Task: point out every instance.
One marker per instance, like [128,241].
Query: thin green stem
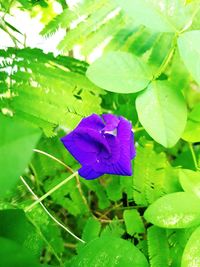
[38,200]
[51,191]
[193,156]
[139,129]
[69,169]
[54,158]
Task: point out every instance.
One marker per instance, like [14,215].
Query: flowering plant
[102,144]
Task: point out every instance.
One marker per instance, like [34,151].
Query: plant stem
[51,191]
[38,200]
[139,129]
[54,158]
[69,169]
[193,155]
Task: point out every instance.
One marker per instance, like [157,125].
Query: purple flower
[102,144]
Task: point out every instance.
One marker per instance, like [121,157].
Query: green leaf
[13,254]
[95,186]
[158,246]
[110,251]
[192,129]
[91,230]
[192,132]
[177,240]
[153,176]
[19,237]
[114,189]
[68,196]
[191,254]
[115,229]
[119,72]
[161,16]
[133,222]
[195,113]
[14,225]
[162,112]
[188,44]
[176,210]
[17,140]
[190,181]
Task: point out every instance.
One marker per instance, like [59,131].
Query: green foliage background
[149,72]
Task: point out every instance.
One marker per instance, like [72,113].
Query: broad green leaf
[176,210]
[17,141]
[13,254]
[188,44]
[119,72]
[110,251]
[14,225]
[162,112]
[20,244]
[190,181]
[133,222]
[191,253]
[161,16]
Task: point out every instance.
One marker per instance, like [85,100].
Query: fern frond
[158,247]
[49,91]
[153,176]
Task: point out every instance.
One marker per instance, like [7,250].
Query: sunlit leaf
[119,72]
[162,16]
[190,181]
[17,140]
[110,251]
[191,254]
[189,49]
[176,210]
[162,111]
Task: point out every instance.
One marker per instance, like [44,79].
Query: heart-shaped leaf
[119,72]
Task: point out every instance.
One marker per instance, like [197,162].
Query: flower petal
[76,152]
[85,144]
[117,168]
[94,121]
[111,122]
[88,173]
[133,150]
[114,147]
